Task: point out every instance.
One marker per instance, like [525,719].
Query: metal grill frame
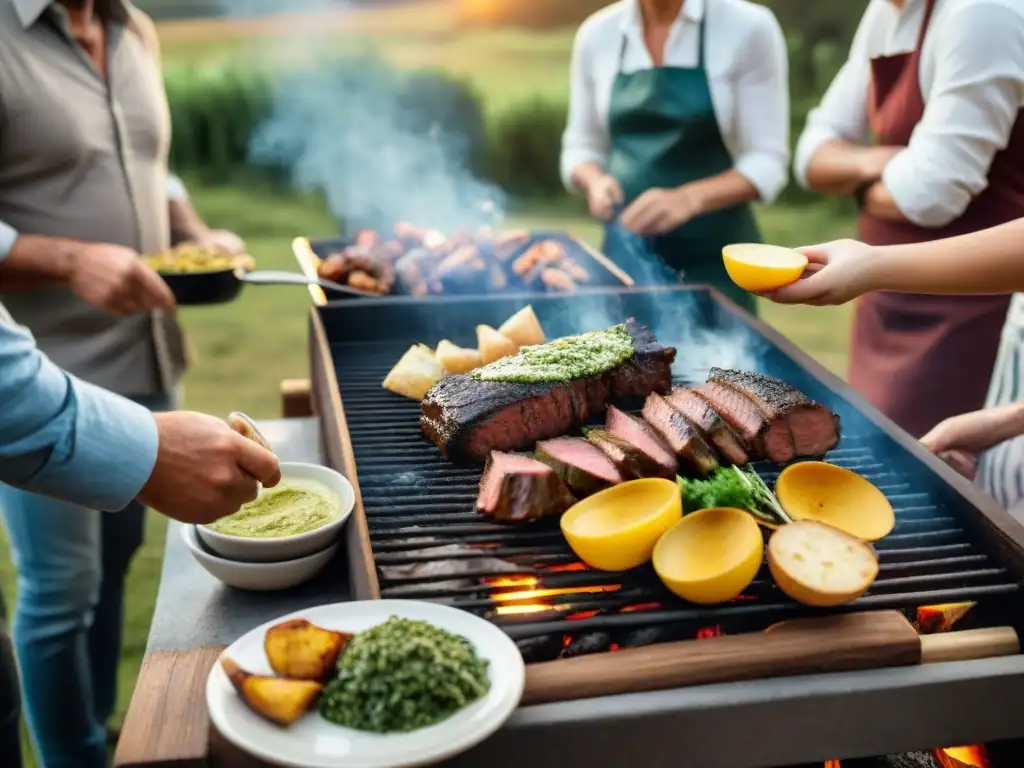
[868,713]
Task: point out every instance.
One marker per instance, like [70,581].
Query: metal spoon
[247,428]
[280,277]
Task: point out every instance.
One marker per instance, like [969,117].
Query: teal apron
[664,133]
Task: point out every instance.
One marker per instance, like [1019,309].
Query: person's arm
[30,262]
[186,224]
[833,155]
[585,142]
[64,438]
[972,106]
[987,262]
[761,124]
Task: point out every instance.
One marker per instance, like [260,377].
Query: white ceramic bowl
[253,550]
[259,577]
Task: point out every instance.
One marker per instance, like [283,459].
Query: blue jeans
[10,707]
[68,617]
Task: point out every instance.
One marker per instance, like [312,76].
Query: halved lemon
[616,529]
[755,267]
[816,490]
[710,556]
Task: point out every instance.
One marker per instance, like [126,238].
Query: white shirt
[972,81]
[744,56]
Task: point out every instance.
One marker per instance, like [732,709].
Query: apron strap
[700,39]
[622,51]
[929,6]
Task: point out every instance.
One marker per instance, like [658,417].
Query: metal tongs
[247,428]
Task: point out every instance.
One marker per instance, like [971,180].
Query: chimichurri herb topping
[403,675]
[574,357]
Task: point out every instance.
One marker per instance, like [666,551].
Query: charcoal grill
[603,272]
[950,543]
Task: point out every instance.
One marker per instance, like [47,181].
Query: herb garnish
[739,487]
[402,675]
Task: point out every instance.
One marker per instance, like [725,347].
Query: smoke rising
[380,144]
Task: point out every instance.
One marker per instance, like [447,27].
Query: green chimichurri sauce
[403,675]
[574,357]
[286,510]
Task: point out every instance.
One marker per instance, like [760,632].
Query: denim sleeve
[64,438]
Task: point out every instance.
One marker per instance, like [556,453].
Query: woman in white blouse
[678,118]
[922,126]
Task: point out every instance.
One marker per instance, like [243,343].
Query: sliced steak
[680,435]
[582,466]
[711,426]
[632,463]
[642,435]
[520,489]
[797,426]
[468,419]
[739,412]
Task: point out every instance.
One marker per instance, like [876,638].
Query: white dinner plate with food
[279,666]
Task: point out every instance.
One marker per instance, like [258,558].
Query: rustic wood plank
[296,401]
[167,725]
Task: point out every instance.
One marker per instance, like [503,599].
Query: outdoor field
[242,350]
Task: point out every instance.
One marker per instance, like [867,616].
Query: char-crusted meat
[739,412]
[680,435]
[582,466]
[641,435]
[467,418]
[709,424]
[632,463]
[520,489]
[794,426]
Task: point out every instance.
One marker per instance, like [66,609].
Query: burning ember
[528,599]
[963,757]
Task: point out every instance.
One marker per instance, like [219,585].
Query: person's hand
[836,273]
[222,240]
[658,211]
[872,161]
[969,432]
[964,463]
[113,278]
[603,196]
[204,469]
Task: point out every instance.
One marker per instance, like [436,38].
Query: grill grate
[429,543]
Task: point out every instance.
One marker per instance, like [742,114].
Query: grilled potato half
[276,699]
[300,650]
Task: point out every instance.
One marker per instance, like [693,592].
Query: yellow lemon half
[816,490]
[757,268]
[616,529]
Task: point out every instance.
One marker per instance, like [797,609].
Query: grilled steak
[519,489]
[632,463]
[709,424]
[794,426]
[642,436]
[581,465]
[467,418]
[680,435]
[739,412]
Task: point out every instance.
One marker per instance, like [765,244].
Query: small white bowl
[273,550]
[258,577]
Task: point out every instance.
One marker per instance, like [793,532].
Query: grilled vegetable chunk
[303,651]
[275,699]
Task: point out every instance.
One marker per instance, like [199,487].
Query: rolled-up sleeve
[64,438]
[762,103]
[973,104]
[843,110]
[586,135]
[8,236]
[175,188]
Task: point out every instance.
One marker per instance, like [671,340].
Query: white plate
[313,742]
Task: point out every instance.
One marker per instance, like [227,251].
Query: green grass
[242,350]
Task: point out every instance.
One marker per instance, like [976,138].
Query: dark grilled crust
[680,434]
[526,497]
[773,396]
[468,419]
[710,424]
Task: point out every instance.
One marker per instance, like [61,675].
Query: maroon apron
[922,358]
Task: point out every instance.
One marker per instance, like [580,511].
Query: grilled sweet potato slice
[276,699]
[303,651]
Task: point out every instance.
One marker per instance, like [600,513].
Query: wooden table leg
[296,402]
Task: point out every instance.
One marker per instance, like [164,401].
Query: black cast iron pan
[198,288]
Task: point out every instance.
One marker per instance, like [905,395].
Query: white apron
[1001,469]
